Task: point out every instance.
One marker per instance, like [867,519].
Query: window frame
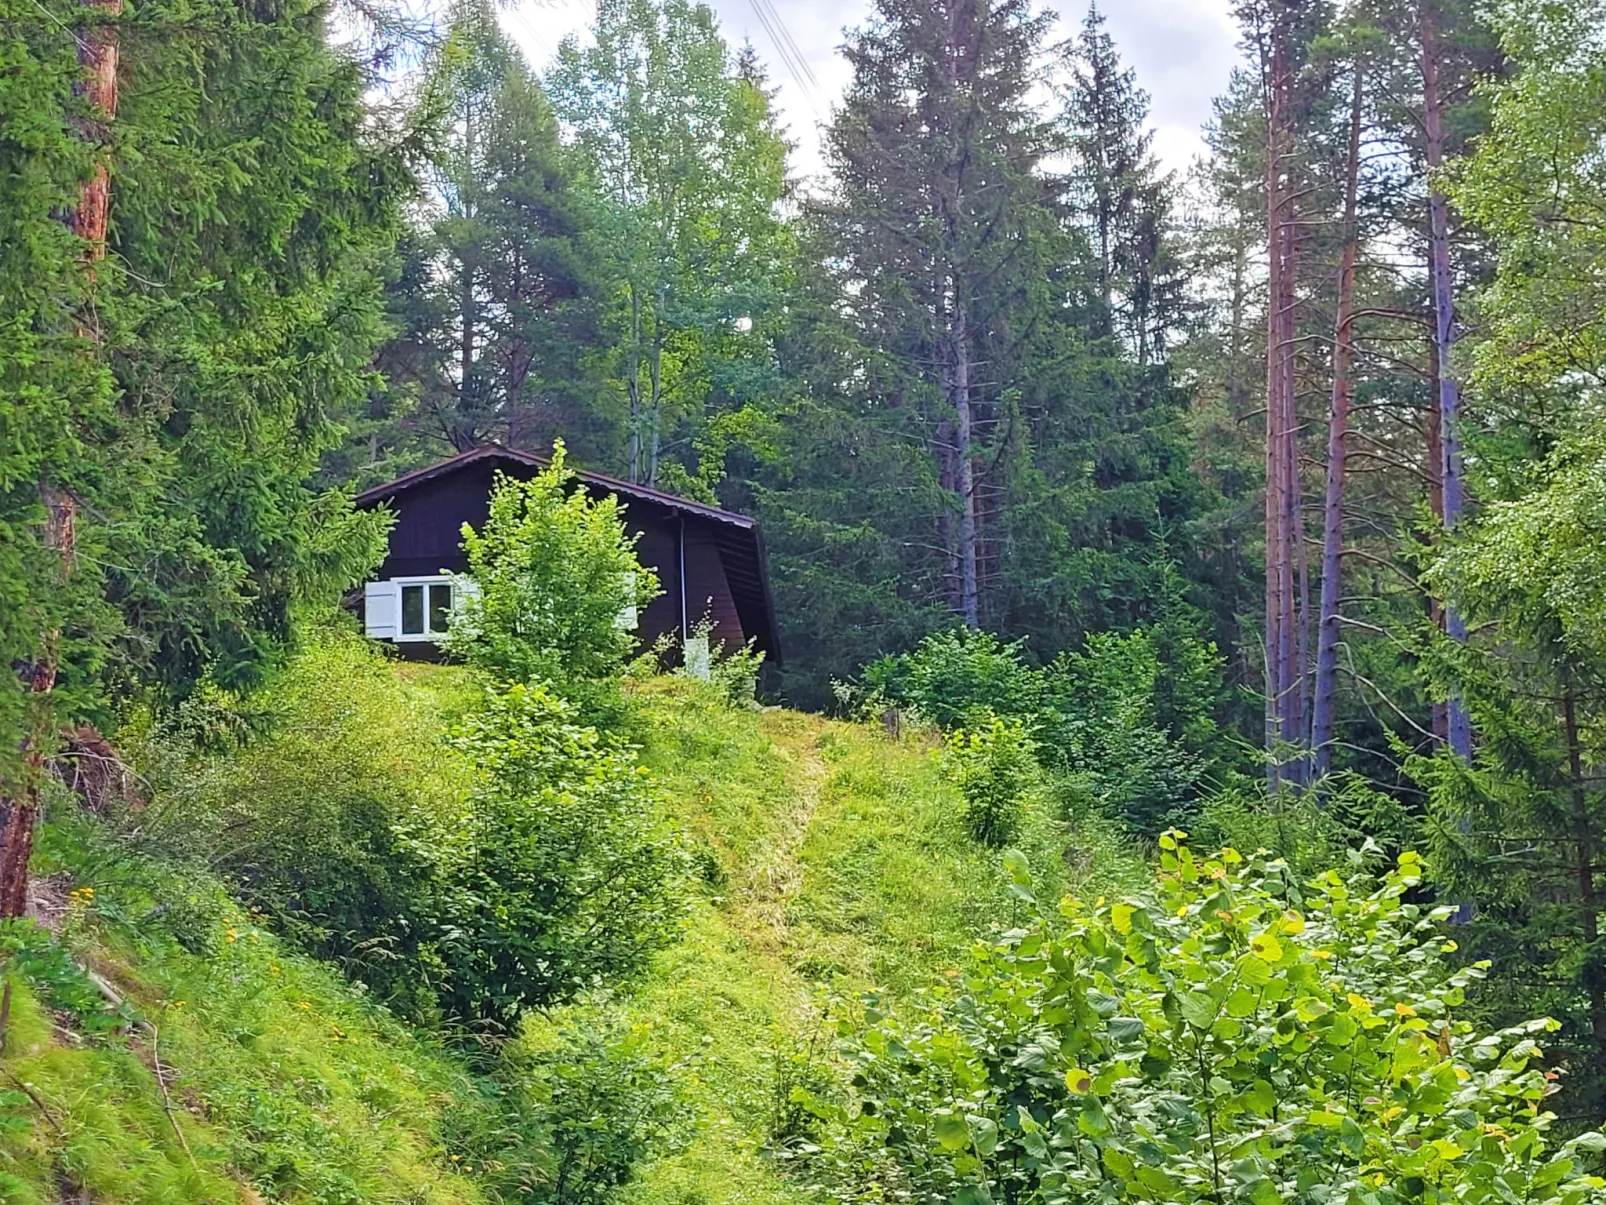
[399,584]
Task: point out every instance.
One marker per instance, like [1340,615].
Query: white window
[410,608]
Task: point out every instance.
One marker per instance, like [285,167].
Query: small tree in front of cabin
[554,581]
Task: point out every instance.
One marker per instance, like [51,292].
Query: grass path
[835,864]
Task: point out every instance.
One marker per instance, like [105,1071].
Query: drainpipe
[680,546]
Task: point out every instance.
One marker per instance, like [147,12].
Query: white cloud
[1184,51]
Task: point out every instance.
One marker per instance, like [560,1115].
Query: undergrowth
[829,858]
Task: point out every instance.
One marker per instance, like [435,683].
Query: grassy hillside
[831,861]
[841,866]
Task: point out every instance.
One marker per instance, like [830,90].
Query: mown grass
[838,864]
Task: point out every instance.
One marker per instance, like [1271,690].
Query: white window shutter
[627,619]
[379,610]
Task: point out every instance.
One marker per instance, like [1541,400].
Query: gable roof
[496,452]
[741,544]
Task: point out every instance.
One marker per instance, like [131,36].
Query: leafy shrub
[1309,829]
[553,570]
[732,672]
[607,1104]
[1127,722]
[996,768]
[1100,721]
[567,1112]
[562,874]
[1235,1039]
[953,677]
[506,866]
[309,796]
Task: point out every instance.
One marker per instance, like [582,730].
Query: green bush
[1126,724]
[956,676]
[1101,720]
[562,873]
[552,571]
[996,769]
[505,866]
[325,799]
[1235,1039]
[606,1104]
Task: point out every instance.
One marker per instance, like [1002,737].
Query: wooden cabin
[708,561]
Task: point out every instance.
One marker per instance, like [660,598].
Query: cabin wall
[707,590]
[427,535]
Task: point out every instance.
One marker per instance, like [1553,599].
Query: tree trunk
[463,434]
[1459,725]
[969,589]
[947,527]
[1584,862]
[656,368]
[19,813]
[1284,645]
[1326,695]
[1275,683]
[633,453]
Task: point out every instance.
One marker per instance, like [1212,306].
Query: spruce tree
[1119,197]
[939,222]
[496,300]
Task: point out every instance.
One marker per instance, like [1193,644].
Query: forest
[1185,779]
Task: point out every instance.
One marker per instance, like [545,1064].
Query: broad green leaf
[1126,1029]
[951,1131]
[1350,1136]
[1260,1098]
[1198,1008]
[984,1133]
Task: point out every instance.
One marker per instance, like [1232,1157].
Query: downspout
[680,549]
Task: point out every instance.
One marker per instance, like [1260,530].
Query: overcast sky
[1183,51]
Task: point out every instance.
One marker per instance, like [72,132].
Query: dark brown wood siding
[427,539]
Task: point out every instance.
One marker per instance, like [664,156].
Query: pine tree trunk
[1275,683]
[1291,644]
[19,813]
[1459,725]
[1326,694]
[1284,646]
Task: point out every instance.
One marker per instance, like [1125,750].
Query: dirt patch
[47,900]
